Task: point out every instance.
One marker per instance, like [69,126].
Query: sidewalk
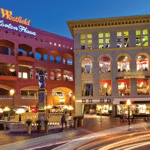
[92,124]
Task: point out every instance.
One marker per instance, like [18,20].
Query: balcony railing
[6,97]
[28,97]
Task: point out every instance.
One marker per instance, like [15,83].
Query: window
[67,75]
[52,75]
[69,62]
[103,40]
[142,87]
[86,41]
[87,88]
[123,87]
[123,39]
[104,65]
[142,63]
[123,64]
[105,88]
[19,74]
[142,37]
[87,65]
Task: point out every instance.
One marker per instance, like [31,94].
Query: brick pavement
[92,124]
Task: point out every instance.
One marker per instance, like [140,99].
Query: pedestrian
[63,120]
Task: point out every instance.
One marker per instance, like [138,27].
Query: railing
[28,97]
[6,97]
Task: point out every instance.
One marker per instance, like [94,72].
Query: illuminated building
[24,52]
[112,64]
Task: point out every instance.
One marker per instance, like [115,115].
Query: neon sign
[8,15]
[19,28]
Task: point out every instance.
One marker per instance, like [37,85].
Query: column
[95,78]
[132,38]
[33,51]
[48,56]
[16,69]
[16,49]
[133,87]
[34,71]
[114,75]
[113,39]
[77,42]
[42,56]
[95,41]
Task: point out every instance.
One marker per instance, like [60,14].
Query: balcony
[24,57]
[6,97]
[8,78]
[28,97]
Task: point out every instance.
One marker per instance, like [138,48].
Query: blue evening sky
[51,15]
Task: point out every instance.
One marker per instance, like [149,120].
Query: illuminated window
[87,88]
[103,40]
[123,39]
[19,74]
[123,64]
[142,37]
[67,75]
[87,65]
[25,75]
[104,65]
[142,63]
[123,87]
[142,87]
[105,88]
[52,75]
[86,41]
[58,74]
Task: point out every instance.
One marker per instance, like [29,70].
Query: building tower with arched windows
[112,64]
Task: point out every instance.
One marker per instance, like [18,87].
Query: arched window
[104,65]
[87,65]
[142,63]
[123,64]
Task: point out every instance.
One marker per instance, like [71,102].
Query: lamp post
[20,111]
[12,91]
[128,103]
[70,108]
[70,95]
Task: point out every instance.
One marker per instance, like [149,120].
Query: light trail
[127,141]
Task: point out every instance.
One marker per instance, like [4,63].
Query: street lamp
[128,103]
[12,91]
[7,111]
[20,111]
[70,108]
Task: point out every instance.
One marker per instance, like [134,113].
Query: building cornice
[111,49]
[117,21]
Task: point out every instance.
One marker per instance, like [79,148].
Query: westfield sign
[8,15]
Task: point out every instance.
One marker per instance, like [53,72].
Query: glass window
[123,87]
[142,63]
[104,40]
[123,64]
[19,74]
[142,87]
[123,39]
[142,37]
[52,75]
[87,88]
[58,74]
[105,88]
[87,65]
[104,65]
[86,41]
[67,75]
[25,75]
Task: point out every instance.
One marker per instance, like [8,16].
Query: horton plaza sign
[8,15]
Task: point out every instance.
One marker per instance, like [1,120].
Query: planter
[39,128]
[29,129]
[46,128]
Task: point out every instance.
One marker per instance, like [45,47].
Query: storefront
[102,106]
[139,106]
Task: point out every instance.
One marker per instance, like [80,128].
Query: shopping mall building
[112,64]
[26,51]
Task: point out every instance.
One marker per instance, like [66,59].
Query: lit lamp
[70,95]
[70,108]
[20,111]
[128,103]
[7,109]
[12,91]
[1,110]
